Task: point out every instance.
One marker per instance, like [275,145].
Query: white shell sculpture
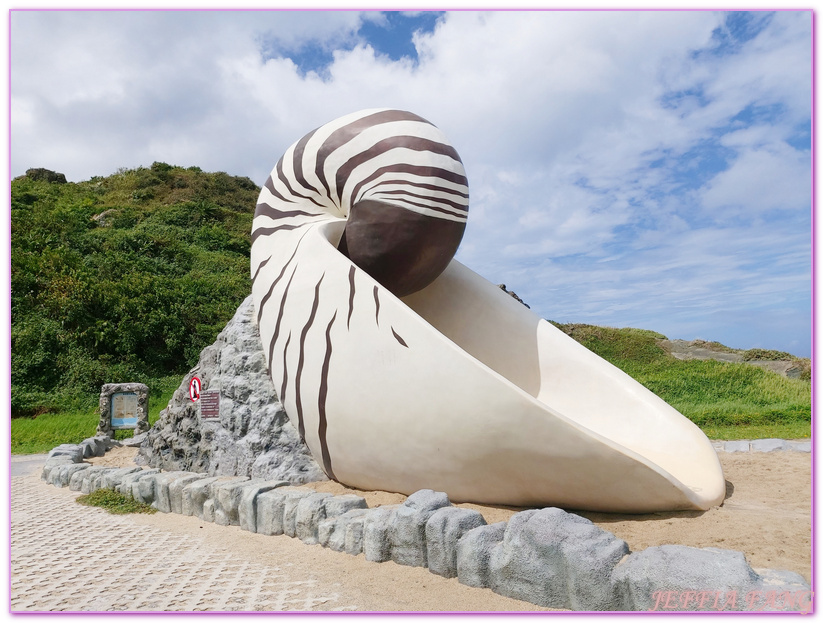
[402,369]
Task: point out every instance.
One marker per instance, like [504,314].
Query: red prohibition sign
[194,389]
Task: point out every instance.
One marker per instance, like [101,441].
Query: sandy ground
[766,515]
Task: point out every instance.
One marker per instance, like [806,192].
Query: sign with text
[124,410]
[210,405]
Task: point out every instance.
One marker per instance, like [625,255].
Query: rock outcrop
[252,436]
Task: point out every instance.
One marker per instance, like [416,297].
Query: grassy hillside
[124,277]
[727,400]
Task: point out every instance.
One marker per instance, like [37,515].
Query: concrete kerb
[548,556]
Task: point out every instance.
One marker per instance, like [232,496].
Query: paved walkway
[67,557]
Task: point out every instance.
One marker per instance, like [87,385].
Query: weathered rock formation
[253,436]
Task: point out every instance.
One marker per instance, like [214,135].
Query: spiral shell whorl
[392,176]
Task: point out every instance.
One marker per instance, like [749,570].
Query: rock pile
[253,436]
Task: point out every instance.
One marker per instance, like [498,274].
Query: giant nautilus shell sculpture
[402,369]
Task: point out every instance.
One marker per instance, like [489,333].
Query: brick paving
[68,557]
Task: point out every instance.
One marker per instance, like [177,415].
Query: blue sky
[636,168]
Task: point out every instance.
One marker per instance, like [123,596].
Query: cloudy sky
[639,168]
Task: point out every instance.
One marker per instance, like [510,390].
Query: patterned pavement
[68,557]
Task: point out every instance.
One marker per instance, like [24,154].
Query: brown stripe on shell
[266,231]
[453,204]
[321,404]
[412,143]
[343,135]
[264,209]
[301,428]
[257,272]
[270,186]
[411,169]
[351,296]
[282,177]
[376,307]
[285,371]
[398,338]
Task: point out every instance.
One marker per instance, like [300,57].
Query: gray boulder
[126,485]
[676,577]
[271,507]
[54,462]
[343,533]
[247,511]
[309,513]
[376,533]
[112,479]
[162,481]
[72,450]
[408,530]
[474,550]
[227,497]
[195,494]
[444,529]
[556,559]
[94,481]
[78,478]
[769,445]
[291,502]
[779,591]
[253,436]
[61,476]
[176,488]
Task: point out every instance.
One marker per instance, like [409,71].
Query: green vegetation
[38,435]
[120,279]
[727,400]
[114,502]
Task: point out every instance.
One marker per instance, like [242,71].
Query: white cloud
[558,117]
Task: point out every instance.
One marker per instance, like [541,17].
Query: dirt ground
[766,514]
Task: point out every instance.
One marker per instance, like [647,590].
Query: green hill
[124,277]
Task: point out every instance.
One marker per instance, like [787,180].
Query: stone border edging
[762,445]
[547,556]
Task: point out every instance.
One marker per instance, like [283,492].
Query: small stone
[408,530]
[799,446]
[737,446]
[112,479]
[768,445]
[227,497]
[376,528]
[94,480]
[195,494]
[644,579]
[208,510]
[175,491]
[162,501]
[65,472]
[72,450]
[270,509]
[126,485]
[779,591]
[247,511]
[310,512]
[443,530]
[52,463]
[474,552]
[556,559]
[331,532]
[78,478]
[291,501]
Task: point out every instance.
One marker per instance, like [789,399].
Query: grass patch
[726,400]
[114,502]
[795,430]
[36,435]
